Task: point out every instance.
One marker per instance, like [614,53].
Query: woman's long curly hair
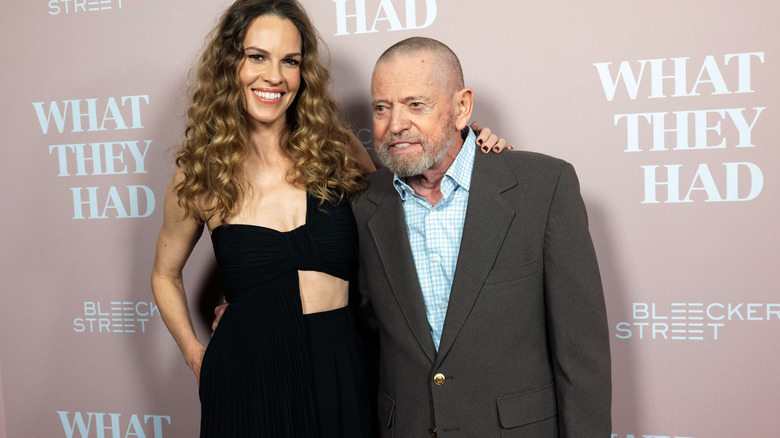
[217,138]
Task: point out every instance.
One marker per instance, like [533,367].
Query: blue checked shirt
[435,233]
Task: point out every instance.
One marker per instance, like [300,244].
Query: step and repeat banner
[668,110]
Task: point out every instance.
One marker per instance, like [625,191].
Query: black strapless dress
[269,370]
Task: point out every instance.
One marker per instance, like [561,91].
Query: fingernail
[495,149]
[511,148]
[479,141]
[484,149]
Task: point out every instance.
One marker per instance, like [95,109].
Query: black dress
[269,370]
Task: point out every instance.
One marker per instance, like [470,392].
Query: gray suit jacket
[525,345]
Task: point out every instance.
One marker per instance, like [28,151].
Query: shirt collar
[457,175]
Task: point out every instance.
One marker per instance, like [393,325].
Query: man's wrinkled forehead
[420,67]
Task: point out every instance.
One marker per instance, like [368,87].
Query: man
[479,268]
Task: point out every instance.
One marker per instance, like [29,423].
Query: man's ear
[464,104]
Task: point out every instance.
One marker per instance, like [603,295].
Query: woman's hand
[194,359]
[488,141]
[218,311]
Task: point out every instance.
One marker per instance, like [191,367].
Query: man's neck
[428,184]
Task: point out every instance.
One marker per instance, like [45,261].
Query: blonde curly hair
[217,139]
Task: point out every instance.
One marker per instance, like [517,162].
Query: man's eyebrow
[415,98]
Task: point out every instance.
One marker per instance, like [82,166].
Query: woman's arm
[177,238]
[360,155]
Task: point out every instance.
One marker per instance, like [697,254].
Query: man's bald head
[420,106]
[446,62]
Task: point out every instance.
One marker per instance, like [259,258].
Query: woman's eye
[292,62]
[255,57]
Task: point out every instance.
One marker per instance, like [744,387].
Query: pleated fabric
[258,375]
[340,391]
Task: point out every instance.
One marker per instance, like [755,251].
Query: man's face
[414,113]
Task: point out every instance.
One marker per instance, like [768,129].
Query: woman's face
[270,73]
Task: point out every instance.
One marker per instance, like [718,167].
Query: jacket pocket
[502,275]
[527,407]
[386,412]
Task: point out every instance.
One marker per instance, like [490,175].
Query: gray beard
[403,168]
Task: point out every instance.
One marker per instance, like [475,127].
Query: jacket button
[439,379]
[432,431]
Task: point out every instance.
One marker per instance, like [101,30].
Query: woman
[267,166]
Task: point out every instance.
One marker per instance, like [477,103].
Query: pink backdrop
[665,108]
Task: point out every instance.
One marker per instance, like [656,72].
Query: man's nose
[398,120]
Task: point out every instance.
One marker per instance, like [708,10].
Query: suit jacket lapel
[388,230]
[488,218]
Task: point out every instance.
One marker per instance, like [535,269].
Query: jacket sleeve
[576,316]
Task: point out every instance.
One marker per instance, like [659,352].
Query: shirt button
[436,258]
[439,379]
[442,305]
